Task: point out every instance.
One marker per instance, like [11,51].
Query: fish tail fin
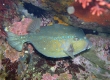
[16,41]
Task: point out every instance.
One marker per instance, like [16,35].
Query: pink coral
[20,28]
[98,7]
[97,10]
[47,76]
[84,3]
[63,76]
[12,54]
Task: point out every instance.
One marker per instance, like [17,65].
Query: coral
[3,47]
[94,11]
[102,48]
[96,60]
[90,68]
[12,54]
[97,10]
[84,3]
[9,69]
[20,28]
[7,13]
[64,67]
[32,66]
[65,76]
[47,76]
[51,63]
[62,76]
[45,22]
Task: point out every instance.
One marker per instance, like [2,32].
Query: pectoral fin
[70,51]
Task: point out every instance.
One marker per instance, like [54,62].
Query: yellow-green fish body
[54,41]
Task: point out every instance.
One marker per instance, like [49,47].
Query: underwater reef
[54,40]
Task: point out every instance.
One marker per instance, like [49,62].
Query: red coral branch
[97,10]
[99,6]
[84,3]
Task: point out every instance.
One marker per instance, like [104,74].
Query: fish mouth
[89,45]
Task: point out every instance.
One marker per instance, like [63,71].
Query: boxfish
[55,41]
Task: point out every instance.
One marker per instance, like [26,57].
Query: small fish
[54,41]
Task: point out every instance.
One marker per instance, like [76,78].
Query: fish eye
[75,38]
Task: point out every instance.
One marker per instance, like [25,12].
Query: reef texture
[7,14]
[93,64]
